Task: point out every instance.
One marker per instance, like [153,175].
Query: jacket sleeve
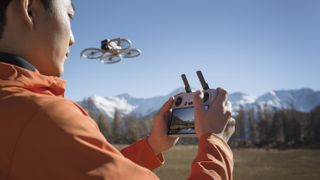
[141,153]
[214,159]
[60,142]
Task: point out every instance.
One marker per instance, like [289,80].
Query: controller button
[190,103]
[205,97]
[178,101]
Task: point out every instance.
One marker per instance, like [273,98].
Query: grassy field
[250,164]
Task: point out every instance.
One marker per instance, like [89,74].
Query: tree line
[123,129]
[254,128]
[277,129]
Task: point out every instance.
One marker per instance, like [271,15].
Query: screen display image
[182,121]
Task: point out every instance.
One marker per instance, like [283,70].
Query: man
[45,136]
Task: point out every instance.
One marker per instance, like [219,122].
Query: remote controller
[181,122]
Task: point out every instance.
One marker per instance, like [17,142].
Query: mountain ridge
[304,99]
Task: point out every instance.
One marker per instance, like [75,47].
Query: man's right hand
[217,119]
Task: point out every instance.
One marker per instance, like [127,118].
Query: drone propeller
[125,44]
[131,53]
[92,53]
[110,59]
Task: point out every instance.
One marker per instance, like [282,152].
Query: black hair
[47,4]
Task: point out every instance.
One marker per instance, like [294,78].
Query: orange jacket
[44,136]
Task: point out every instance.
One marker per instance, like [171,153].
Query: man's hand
[159,139]
[217,119]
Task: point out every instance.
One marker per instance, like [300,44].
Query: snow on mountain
[142,106]
[238,99]
[108,105]
[302,100]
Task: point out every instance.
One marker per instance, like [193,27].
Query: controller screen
[182,121]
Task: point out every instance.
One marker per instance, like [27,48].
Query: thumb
[166,106]
[198,104]
[198,112]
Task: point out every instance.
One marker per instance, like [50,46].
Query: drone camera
[186,83]
[104,44]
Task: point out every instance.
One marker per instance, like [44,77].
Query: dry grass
[250,164]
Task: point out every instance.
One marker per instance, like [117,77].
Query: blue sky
[252,46]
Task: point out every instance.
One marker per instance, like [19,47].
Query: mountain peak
[124,96]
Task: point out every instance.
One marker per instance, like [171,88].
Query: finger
[228,115]
[166,106]
[227,110]
[231,125]
[222,96]
[232,122]
[199,113]
[227,106]
[198,104]
[230,129]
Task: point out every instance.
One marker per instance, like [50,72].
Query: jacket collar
[17,72]
[16,60]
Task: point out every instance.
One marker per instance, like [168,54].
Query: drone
[111,51]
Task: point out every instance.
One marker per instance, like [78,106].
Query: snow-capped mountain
[301,99]
[124,104]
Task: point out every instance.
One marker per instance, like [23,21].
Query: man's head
[37,30]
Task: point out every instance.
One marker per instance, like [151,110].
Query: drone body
[111,51]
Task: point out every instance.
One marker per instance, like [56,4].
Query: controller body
[181,121]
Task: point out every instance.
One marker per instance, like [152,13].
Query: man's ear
[27,11]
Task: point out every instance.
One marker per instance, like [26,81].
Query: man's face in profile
[52,36]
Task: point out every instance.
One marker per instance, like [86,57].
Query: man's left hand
[159,139]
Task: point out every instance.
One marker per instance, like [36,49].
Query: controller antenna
[203,82]
[186,83]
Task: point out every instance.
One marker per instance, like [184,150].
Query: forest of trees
[123,130]
[262,128]
[277,129]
